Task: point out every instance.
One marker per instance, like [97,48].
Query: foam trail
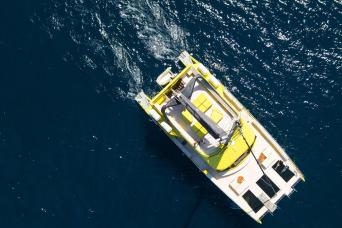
[161,35]
[125,62]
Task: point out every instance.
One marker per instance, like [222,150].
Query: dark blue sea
[77,151]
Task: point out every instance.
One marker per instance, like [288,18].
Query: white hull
[250,168]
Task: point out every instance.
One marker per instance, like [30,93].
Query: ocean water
[77,151]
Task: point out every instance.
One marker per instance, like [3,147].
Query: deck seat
[200,130]
[216,115]
[202,102]
[187,116]
[197,127]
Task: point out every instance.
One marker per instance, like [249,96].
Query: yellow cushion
[197,126]
[199,129]
[187,116]
[216,115]
[202,97]
[202,102]
[161,100]
[207,104]
[202,132]
[197,102]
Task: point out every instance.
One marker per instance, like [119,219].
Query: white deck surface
[248,169]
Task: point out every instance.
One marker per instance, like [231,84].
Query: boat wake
[115,38]
[157,29]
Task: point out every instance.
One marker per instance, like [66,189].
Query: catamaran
[222,138]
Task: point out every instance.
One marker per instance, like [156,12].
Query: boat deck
[253,178]
[261,179]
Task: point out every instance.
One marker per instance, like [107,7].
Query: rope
[250,148]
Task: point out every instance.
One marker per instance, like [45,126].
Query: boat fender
[165,77]
[203,69]
[214,81]
[166,126]
[154,115]
[240,179]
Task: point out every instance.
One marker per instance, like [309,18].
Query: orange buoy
[262,157]
[240,179]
